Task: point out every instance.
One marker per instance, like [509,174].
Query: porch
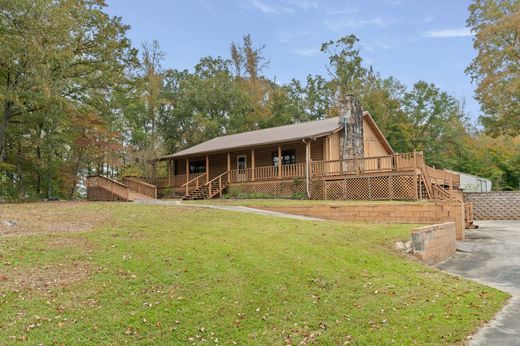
[424,181]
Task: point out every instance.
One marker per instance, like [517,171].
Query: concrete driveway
[491,255]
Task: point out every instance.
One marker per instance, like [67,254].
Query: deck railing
[365,165]
[217,184]
[388,163]
[443,177]
[109,188]
[196,182]
[176,180]
[142,187]
[267,173]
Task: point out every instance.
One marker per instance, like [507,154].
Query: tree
[430,116]
[345,65]
[58,58]
[496,68]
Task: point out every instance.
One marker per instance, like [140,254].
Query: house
[312,159]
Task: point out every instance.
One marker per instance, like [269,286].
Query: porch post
[187,170]
[279,162]
[310,158]
[207,168]
[228,166]
[170,173]
[253,164]
[307,167]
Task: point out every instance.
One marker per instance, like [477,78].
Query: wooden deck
[408,162]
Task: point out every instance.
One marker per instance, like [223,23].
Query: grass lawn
[271,202]
[115,273]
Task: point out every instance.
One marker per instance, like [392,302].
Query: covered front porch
[303,161]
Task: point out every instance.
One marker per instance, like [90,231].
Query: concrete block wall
[500,205]
[424,213]
[434,243]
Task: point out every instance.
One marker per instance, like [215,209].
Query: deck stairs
[213,188]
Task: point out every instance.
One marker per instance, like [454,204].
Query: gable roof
[378,132]
[273,135]
[309,129]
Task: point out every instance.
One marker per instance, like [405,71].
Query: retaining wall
[501,205]
[423,213]
[434,243]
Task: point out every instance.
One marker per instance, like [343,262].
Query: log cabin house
[303,160]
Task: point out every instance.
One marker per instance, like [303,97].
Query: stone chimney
[350,115]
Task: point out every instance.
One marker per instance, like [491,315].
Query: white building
[473,183]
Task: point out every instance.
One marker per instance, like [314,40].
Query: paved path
[230,208]
[491,255]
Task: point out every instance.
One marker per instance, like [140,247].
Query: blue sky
[409,39]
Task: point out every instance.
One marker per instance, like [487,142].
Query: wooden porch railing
[109,186]
[140,186]
[421,164]
[443,177]
[175,180]
[267,173]
[195,182]
[397,162]
[216,185]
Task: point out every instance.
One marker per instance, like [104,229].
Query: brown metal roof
[310,129]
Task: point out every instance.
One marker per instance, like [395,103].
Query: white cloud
[306,51]
[279,6]
[448,33]
[355,23]
[263,7]
[304,5]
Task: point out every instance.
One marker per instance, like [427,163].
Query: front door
[242,167]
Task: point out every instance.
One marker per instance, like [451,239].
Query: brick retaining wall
[502,205]
[434,243]
[424,213]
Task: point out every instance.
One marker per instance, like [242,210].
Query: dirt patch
[48,217]
[43,278]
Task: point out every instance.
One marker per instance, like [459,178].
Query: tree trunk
[38,172]
[3,130]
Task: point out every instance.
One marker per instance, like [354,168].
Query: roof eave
[201,153]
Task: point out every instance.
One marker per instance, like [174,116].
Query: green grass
[173,275]
[288,202]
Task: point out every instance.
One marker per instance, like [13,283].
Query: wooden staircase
[430,188]
[212,188]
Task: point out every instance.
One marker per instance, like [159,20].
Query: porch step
[203,192]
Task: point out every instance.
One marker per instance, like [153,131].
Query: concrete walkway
[230,208]
[490,255]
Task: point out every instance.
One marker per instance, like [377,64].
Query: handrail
[106,178]
[110,185]
[425,174]
[141,186]
[196,180]
[209,185]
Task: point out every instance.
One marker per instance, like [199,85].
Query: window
[288,157]
[197,167]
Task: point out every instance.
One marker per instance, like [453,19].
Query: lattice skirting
[398,187]
[392,187]
[283,188]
